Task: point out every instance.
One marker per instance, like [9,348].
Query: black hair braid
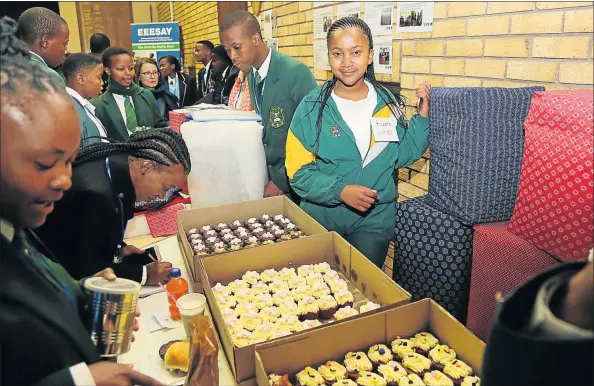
[162,146]
[17,73]
[394,102]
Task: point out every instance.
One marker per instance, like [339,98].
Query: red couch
[553,216]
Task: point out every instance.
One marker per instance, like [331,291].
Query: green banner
[155,46]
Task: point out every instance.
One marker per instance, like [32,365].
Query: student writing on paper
[110,181]
[346,139]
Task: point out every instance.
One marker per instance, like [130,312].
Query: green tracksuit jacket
[320,176]
[288,80]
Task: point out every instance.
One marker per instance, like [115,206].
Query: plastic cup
[190,306]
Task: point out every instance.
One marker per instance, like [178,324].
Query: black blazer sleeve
[191,91]
[62,377]
[200,85]
[513,357]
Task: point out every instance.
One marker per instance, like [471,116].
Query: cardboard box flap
[381,290]
[224,336]
[324,344]
[469,348]
[332,342]
[426,315]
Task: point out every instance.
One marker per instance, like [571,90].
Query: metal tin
[110,311]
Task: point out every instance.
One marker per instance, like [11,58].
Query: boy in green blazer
[46,35]
[277,85]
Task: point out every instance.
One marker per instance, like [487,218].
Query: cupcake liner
[329,313]
[309,316]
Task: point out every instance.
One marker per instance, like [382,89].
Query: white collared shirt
[357,115]
[120,99]
[89,109]
[263,70]
[80,373]
[206,68]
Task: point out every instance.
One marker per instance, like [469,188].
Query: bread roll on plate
[177,356]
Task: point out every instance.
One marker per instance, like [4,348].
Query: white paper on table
[148,290]
[165,320]
[348,9]
[415,17]
[382,55]
[321,55]
[323,19]
[379,17]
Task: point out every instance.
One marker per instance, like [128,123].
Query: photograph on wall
[382,55]
[321,55]
[323,19]
[348,9]
[268,25]
[379,17]
[415,17]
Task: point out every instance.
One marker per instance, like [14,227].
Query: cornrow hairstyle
[36,22]
[162,146]
[206,43]
[138,67]
[247,20]
[22,82]
[75,63]
[109,53]
[173,60]
[394,102]
[98,43]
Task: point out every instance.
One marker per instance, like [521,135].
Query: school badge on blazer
[335,131]
[277,117]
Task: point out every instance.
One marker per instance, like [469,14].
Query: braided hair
[394,102]
[22,82]
[162,146]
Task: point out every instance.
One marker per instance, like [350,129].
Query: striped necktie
[131,122]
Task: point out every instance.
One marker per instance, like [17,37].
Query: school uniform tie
[38,260]
[258,87]
[131,122]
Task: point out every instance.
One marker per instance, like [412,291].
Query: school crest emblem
[277,117]
[335,131]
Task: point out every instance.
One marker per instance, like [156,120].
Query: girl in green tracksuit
[346,139]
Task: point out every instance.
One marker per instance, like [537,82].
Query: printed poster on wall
[415,17]
[321,55]
[323,19]
[348,9]
[382,55]
[155,40]
[379,17]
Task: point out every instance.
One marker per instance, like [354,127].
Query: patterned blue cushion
[432,255]
[476,142]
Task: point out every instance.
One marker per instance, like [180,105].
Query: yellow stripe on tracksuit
[298,156]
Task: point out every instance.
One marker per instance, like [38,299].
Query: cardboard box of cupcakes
[286,289]
[416,344]
[229,228]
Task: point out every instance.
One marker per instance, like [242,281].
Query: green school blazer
[147,114]
[48,69]
[288,81]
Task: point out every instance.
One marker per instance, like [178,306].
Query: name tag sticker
[384,130]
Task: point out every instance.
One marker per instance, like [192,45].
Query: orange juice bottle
[177,287]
